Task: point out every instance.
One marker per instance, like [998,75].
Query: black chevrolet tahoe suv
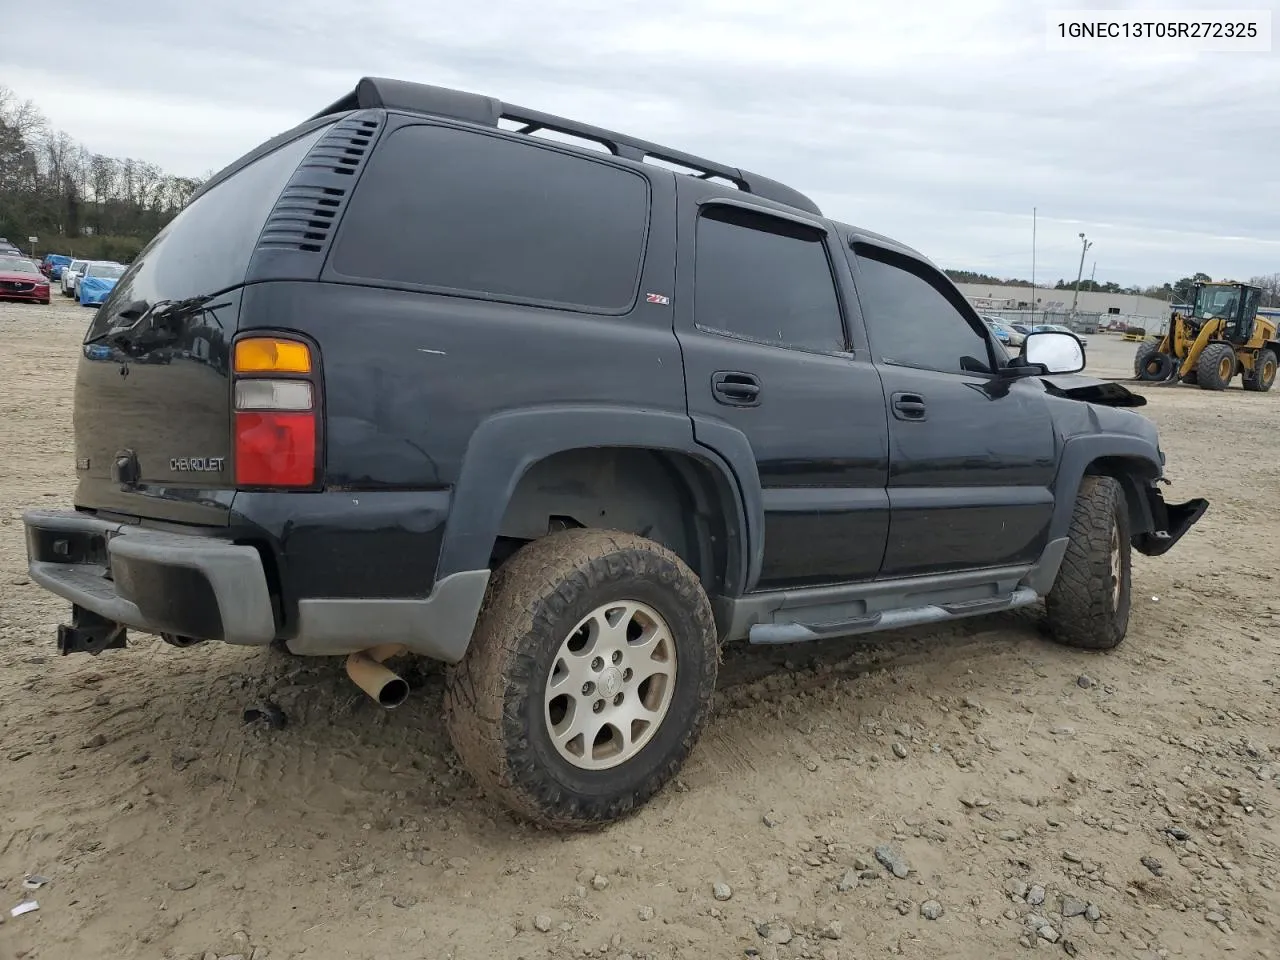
[567,410]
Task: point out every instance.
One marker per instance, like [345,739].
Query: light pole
[1084,248]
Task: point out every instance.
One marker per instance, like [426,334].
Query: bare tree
[51,186]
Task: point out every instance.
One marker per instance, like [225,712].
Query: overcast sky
[939,122]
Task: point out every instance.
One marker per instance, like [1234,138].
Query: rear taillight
[276,420]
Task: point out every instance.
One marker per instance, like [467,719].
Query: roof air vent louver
[297,233]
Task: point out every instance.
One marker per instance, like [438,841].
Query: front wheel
[589,677]
[1216,366]
[1088,606]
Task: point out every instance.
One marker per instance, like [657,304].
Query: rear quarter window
[474,214]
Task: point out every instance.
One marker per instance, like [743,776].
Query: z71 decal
[657,298]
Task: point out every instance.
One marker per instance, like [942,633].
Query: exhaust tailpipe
[367,672]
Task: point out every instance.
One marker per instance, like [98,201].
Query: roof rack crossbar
[372,92]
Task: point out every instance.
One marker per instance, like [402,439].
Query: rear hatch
[152,398]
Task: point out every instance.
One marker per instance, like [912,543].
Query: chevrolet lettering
[196,464]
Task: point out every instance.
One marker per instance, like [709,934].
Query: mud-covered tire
[1263,375]
[1088,606]
[495,699]
[1150,364]
[1212,368]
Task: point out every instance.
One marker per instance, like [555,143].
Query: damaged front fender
[1169,521]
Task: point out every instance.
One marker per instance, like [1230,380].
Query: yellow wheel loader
[1221,336]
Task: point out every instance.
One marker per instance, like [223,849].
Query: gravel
[542,923]
[1071,907]
[892,861]
[722,891]
[931,909]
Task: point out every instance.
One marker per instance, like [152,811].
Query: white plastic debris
[34,882]
[27,906]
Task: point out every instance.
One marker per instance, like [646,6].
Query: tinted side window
[472,213]
[765,279]
[910,322]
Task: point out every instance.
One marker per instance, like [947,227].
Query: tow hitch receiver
[90,633]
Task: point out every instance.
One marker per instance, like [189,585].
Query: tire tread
[1078,606]
[482,693]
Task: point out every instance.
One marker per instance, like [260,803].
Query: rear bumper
[201,586]
[152,580]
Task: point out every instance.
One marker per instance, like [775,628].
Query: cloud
[939,123]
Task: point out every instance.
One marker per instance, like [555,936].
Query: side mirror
[1056,352]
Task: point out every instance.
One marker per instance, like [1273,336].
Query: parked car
[1005,331]
[657,461]
[51,266]
[97,281]
[20,279]
[69,274]
[1000,332]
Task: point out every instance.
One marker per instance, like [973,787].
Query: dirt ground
[1135,792]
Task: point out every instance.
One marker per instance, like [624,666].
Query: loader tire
[1150,364]
[1216,366]
[1264,373]
[1088,606]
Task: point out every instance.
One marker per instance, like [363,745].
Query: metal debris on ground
[34,881]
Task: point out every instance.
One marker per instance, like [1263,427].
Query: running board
[775,633]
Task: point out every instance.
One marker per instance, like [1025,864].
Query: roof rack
[374,92]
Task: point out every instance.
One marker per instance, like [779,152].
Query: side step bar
[774,633]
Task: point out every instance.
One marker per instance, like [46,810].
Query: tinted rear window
[206,248]
[470,213]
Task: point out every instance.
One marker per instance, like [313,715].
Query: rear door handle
[909,406]
[736,388]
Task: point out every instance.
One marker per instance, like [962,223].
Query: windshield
[108,271]
[1216,300]
[14,265]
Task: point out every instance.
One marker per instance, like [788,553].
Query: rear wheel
[1263,374]
[1216,366]
[588,680]
[1088,606]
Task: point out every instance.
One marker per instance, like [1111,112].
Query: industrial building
[995,298]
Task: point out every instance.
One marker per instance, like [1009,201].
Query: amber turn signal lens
[271,355]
